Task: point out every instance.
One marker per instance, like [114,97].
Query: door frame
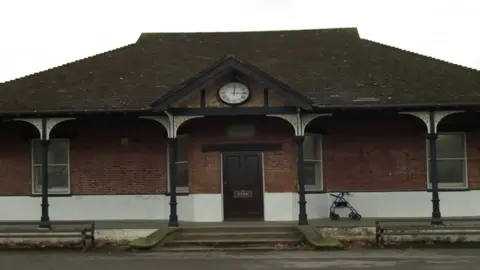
[262,161]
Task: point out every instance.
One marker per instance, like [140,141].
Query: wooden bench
[84,230]
[423,226]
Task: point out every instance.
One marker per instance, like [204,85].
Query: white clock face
[234,93]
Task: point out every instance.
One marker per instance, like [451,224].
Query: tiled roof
[330,67]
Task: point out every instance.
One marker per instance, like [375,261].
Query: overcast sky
[41,34]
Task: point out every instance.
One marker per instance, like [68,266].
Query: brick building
[218,119]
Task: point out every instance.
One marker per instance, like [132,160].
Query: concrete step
[234,242]
[242,237]
[246,228]
[233,248]
[199,235]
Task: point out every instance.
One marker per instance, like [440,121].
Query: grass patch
[312,237]
[152,240]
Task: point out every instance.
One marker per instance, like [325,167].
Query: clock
[234,93]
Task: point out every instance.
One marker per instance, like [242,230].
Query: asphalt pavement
[354,259]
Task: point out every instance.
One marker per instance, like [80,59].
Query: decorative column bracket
[299,121]
[171,122]
[37,122]
[425,117]
[44,127]
[431,120]
[162,120]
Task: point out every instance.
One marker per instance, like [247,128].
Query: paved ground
[358,259]
[155,224]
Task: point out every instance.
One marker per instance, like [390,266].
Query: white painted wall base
[279,206]
[209,207]
[412,204]
[198,208]
[108,207]
[388,204]
[195,207]
[317,206]
[283,206]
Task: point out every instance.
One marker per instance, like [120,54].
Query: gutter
[75,111]
[316,108]
[421,106]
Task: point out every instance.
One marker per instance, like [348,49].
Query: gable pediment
[201,91]
[207,96]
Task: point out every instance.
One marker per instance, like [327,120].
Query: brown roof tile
[330,67]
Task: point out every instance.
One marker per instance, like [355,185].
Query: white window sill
[450,186]
[181,190]
[53,192]
[312,188]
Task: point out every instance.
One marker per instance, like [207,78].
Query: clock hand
[234,86]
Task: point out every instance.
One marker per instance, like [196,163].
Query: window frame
[464,183]
[51,191]
[179,189]
[318,181]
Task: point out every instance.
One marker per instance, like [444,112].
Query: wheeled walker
[341,202]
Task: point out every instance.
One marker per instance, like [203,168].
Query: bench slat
[53,223]
[423,227]
[406,227]
[433,228]
[21,235]
[37,230]
[83,229]
[429,233]
[422,220]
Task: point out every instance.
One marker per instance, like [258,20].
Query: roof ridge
[68,63]
[145,35]
[422,55]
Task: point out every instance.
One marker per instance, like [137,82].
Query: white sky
[41,34]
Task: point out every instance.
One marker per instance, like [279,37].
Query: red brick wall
[357,155]
[15,158]
[473,157]
[374,155]
[204,167]
[100,164]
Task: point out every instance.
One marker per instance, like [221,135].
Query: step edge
[238,249]
[266,240]
[237,227]
[238,233]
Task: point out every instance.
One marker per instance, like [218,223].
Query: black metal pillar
[45,218]
[302,203]
[433,172]
[172,156]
